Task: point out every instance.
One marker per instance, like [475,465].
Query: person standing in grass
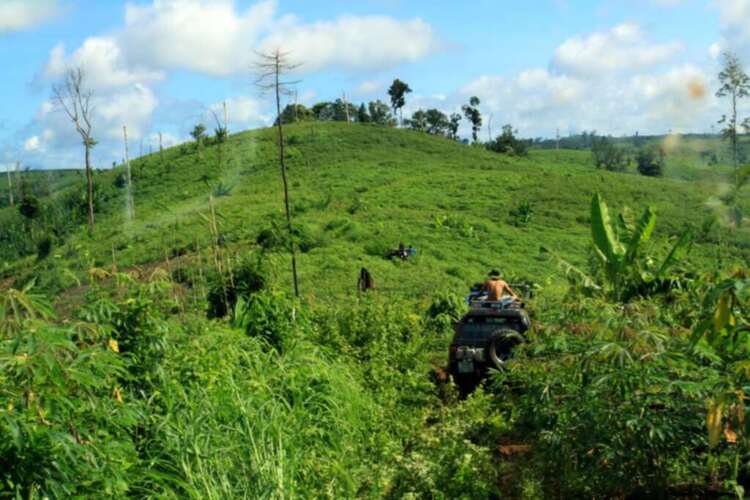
[497,288]
[365,281]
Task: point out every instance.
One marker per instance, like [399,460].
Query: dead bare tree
[270,68]
[74,97]
[131,203]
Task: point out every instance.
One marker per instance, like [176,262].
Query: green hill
[360,190]
[121,375]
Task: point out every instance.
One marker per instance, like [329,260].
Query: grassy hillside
[628,386]
[359,190]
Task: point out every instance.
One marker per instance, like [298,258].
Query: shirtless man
[496,288]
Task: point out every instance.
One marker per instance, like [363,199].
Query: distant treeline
[586,140]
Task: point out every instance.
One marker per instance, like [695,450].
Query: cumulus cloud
[622,48]
[735,25]
[242,111]
[369,87]
[354,42]
[538,103]
[102,61]
[214,38]
[58,145]
[18,15]
[208,36]
[606,81]
[678,98]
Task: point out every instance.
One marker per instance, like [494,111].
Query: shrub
[276,238]
[121,181]
[136,326]
[618,415]
[608,156]
[43,247]
[522,213]
[221,190]
[651,161]
[445,310]
[269,316]
[29,206]
[65,430]
[508,143]
[249,276]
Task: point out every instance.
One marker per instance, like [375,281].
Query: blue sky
[614,66]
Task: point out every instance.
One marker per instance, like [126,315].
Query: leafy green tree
[362,115]
[455,120]
[198,133]
[323,111]
[296,113]
[418,120]
[471,112]
[380,113]
[397,93]
[608,156]
[437,122]
[343,111]
[650,161]
[508,143]
[735,84]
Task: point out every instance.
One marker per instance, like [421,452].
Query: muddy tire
[501,344]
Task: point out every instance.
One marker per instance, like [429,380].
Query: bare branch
[268,69]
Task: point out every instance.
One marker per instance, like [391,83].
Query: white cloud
[715,50]
[537,102]
[103,63]
[208,36]
[369,87]
[32,143]
[678,98]
[132,107]
[58,145]
[242,111]
[212,37]
[167,140]
[735,21]
[18,15]
[622,48]
[353,42]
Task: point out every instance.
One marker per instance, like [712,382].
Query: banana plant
[619,248]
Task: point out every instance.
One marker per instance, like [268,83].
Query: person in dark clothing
[365,281]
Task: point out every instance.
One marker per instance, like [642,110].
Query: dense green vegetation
[633,383]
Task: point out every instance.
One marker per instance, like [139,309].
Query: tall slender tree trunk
[131,203]
[90,185]
[19,182]
[226,119]
[10,188]
[284,180]
[734,140]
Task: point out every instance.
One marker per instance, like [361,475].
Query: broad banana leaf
[641,233]
[602,231]
[680,248]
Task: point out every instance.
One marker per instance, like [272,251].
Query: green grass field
[129,390]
